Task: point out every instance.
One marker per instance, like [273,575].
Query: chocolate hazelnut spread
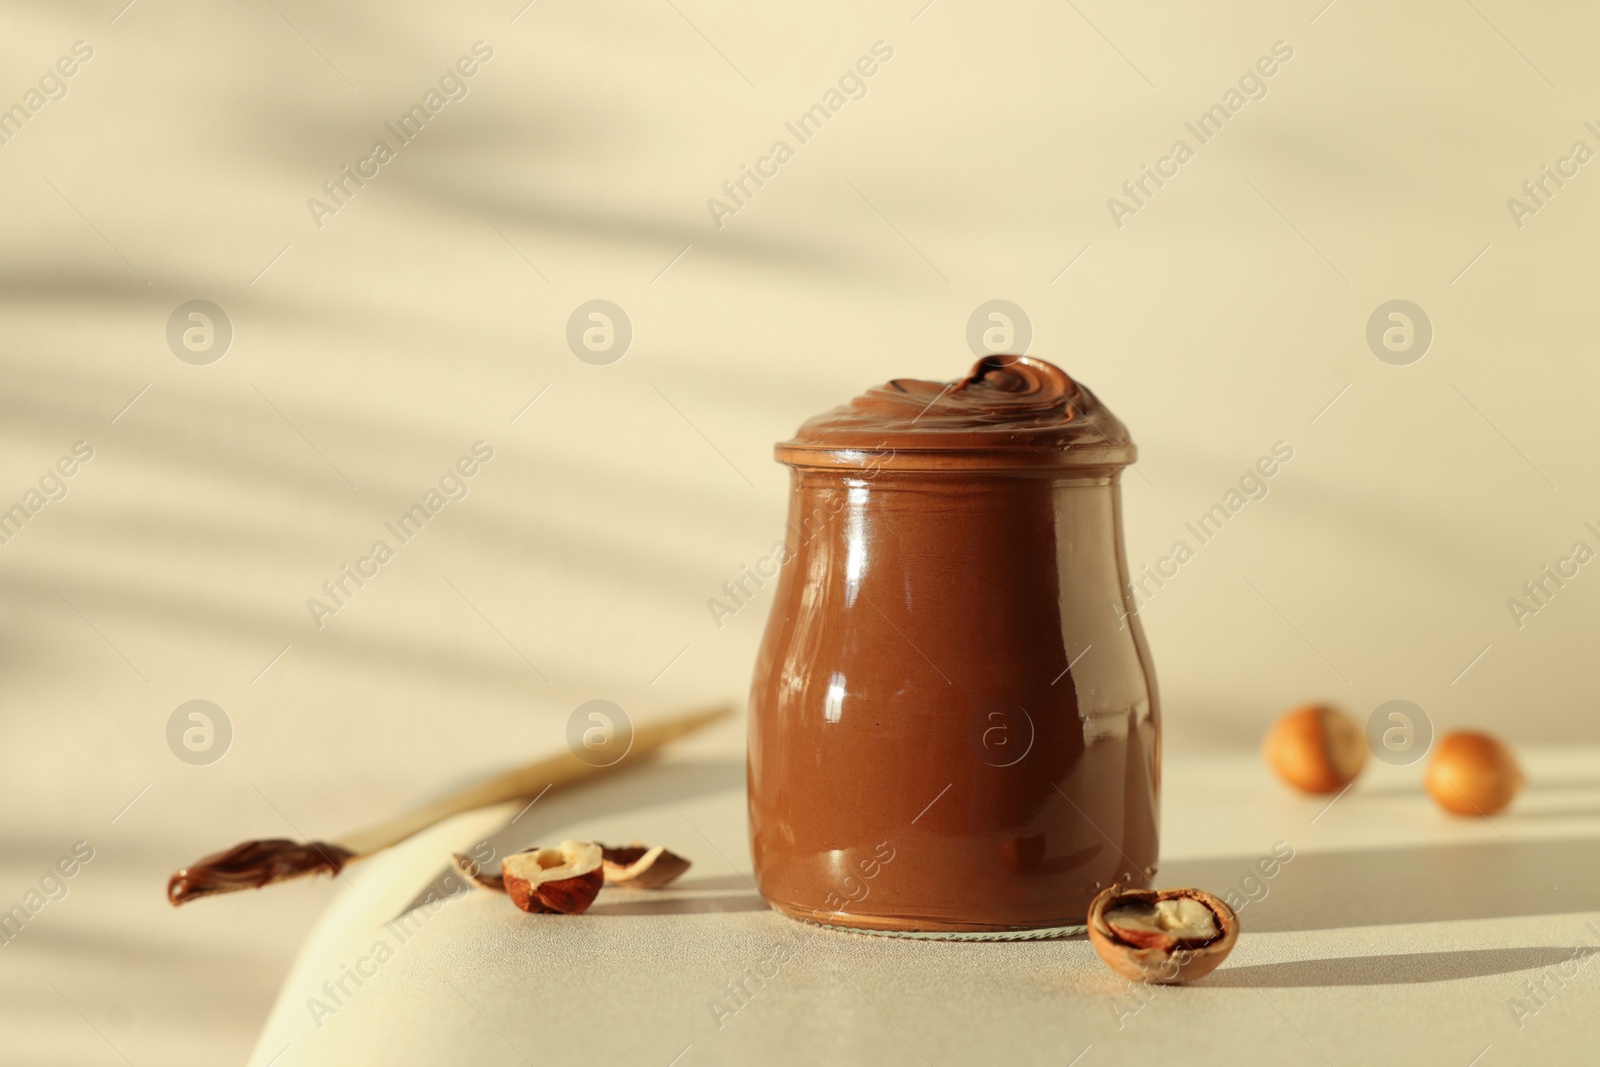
[954,721]
[253,865]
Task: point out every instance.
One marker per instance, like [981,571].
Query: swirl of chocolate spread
[1010,411]
[253,865]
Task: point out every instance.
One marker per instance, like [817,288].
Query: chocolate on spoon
[252,865]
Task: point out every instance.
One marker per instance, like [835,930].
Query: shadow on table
[643,786]
[654,902]
[1401,969]
[1524,818]
[716,881]
[1425,883]
[1551,784]
[689,896]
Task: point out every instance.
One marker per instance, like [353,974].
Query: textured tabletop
[1394,934]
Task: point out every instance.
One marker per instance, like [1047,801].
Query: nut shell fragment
[470,870]
[1161,936]
[563,879]
[641,867]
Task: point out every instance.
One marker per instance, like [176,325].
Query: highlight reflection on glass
[833,699]
[855,539]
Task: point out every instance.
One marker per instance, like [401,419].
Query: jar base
[930,929]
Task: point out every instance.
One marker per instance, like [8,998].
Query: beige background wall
[370,353]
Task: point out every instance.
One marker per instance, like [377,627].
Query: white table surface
[1395,934]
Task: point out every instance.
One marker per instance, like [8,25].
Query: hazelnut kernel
[1161,936]
[1472,773]
[564,879]
[1316,748]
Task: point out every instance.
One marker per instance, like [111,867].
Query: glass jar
[954,727]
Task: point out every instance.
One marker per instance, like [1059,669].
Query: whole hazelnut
[1316,748]
[1472,774]
[1161,936]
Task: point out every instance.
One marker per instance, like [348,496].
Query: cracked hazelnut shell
[472,872]
[1316,748]
[563,879]
[1143,935]
[641,867]
[1472,773]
